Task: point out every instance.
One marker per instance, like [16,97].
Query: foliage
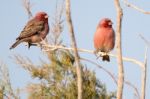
[58,79]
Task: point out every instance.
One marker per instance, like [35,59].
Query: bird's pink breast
[104,39]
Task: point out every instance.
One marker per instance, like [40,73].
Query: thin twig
[135,7]
[144,72]
[101,67]
[6,79]
[119,50]
[134,88]
[27,5]
[145,40]
[74,45]
[113,76]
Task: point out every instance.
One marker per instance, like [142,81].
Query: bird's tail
[15,44]
[106,58]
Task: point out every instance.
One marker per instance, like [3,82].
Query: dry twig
[6,80]
[113,76]
[145,40]
[144,72]
[134,88]
[135,7]
[27,5]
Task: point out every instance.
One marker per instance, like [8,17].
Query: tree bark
[74,45]
[119,50]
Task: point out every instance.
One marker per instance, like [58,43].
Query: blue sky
[85,15]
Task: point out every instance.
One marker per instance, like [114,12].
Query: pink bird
[35,30]
[104,38]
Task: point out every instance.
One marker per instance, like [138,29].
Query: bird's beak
[110,23]
[46,16]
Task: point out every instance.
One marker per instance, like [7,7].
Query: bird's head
[42,16]
[106,22]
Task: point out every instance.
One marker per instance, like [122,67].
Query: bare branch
[144,72]
[145,40]
[135,7]
[73,41]
[113,76]
[134,88]
[27,5]
[57,24]
[119,50]
[101,67]
[55,47]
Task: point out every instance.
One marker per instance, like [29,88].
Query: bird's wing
[32,27]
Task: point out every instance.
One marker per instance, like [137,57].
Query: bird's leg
[105,56]
[31,44]
[28,45]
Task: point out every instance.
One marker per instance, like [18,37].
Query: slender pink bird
[104,38]
[35,30]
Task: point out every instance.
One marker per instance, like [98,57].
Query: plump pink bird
[104,38]
[35,30]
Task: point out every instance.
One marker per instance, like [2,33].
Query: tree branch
[135,7]
[113,76]
[145,40]
[119,50]
[144,72]
[134,88]
[27,5]
[55,47]
[74,45]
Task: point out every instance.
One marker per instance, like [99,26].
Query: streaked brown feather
[32,27]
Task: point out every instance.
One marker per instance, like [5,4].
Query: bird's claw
[99,54]
[31,44]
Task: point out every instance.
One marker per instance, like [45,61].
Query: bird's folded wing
[31,28]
